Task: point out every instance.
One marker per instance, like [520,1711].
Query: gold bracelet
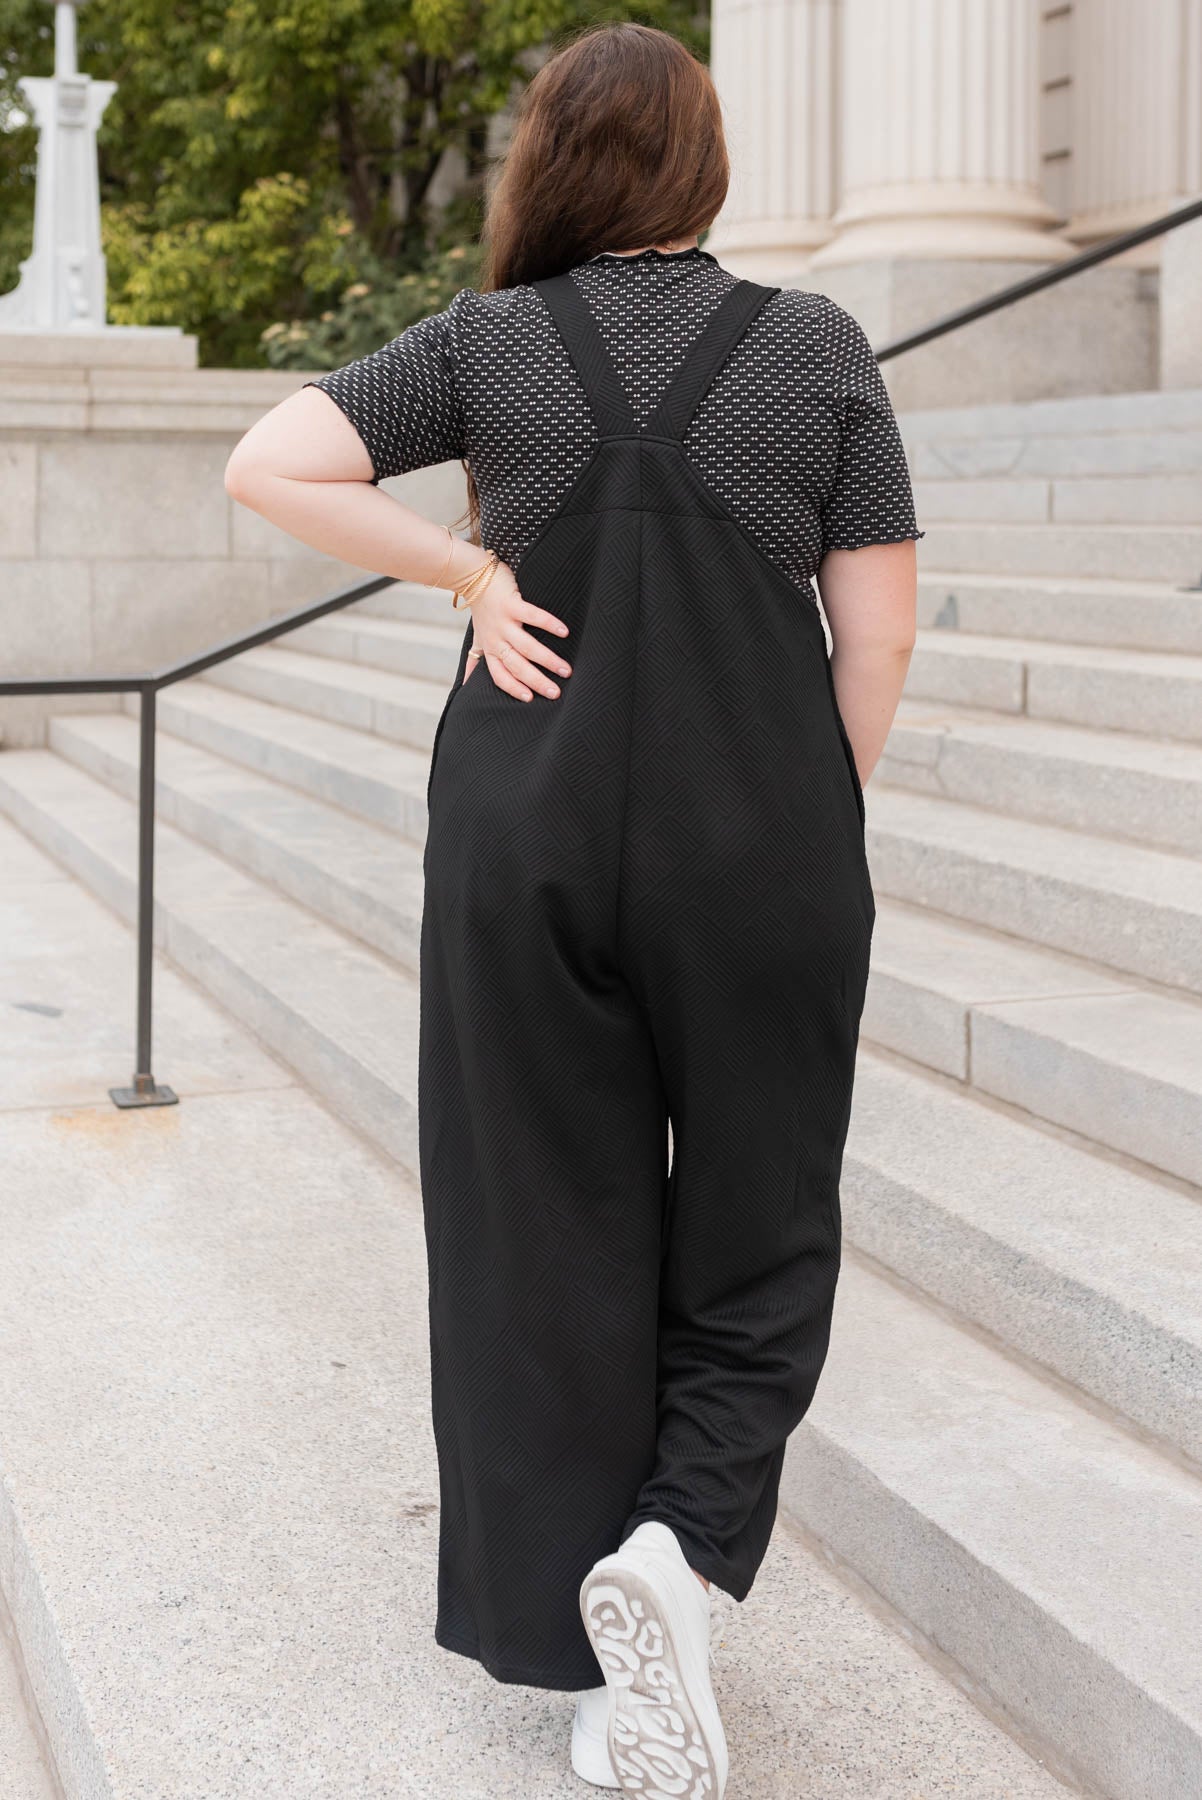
[446,565]
[480,577]
[471,589]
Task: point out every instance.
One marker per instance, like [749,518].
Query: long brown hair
[617,143]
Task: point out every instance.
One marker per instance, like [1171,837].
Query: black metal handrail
[144,1090]
[1045,278]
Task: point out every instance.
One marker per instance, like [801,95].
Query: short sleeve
[871,500]
[402,398]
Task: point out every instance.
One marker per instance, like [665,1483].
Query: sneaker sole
[658,1744]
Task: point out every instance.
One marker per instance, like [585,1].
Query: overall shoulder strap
[688,386]
[718,337]
[586,347]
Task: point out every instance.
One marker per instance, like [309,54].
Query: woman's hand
[305,468]
[516,659]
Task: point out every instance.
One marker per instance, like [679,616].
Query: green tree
[272,165]
[26,31]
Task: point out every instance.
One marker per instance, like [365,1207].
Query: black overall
[647,901]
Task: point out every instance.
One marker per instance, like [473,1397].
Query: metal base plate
[155,1096]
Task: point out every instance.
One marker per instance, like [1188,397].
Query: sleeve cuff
[332,394]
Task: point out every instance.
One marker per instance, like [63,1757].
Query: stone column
[775,66]
[1137,111]
[941,203]
[940,146]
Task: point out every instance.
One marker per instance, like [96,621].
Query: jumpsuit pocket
[848,752]
[456,688]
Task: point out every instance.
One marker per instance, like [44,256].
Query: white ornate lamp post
[62,284]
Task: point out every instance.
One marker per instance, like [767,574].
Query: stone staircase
[1007,1443]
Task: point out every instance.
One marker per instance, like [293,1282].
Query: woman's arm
[304,467]
[870,598]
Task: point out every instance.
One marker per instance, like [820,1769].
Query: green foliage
[272,166]
[26,30]
[371,311]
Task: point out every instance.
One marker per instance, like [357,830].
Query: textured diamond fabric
[797,437]
[646,902]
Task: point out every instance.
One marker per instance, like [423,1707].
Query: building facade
[907,155]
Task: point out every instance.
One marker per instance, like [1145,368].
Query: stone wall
[120,549]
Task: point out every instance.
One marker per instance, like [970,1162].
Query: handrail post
[145,1090]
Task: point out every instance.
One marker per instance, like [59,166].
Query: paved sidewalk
[218,1511]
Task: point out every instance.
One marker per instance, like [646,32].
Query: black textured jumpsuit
[647,905]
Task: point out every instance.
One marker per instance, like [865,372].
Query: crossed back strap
[688,386]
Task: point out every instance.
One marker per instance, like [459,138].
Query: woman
[648,909]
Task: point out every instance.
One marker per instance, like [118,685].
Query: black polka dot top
[796,434]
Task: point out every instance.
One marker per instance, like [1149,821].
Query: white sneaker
[648,1617]
[590,1739]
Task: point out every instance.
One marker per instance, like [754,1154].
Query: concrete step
[1143,614]
[1125,905]
[1160,553]
[27,1767]
[1111,784]
[1144,498]
[392,678]
[1040,1547]
[999,499]
[1147,498]
[1140,615]
[342,693]
[363,879]
[1088,1267]
[372,777]
[1076,416]
[1058,455]
[343,1017]
[220,1317]
[1115,1062]
[410,601]
[1115,690]
[405,646]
